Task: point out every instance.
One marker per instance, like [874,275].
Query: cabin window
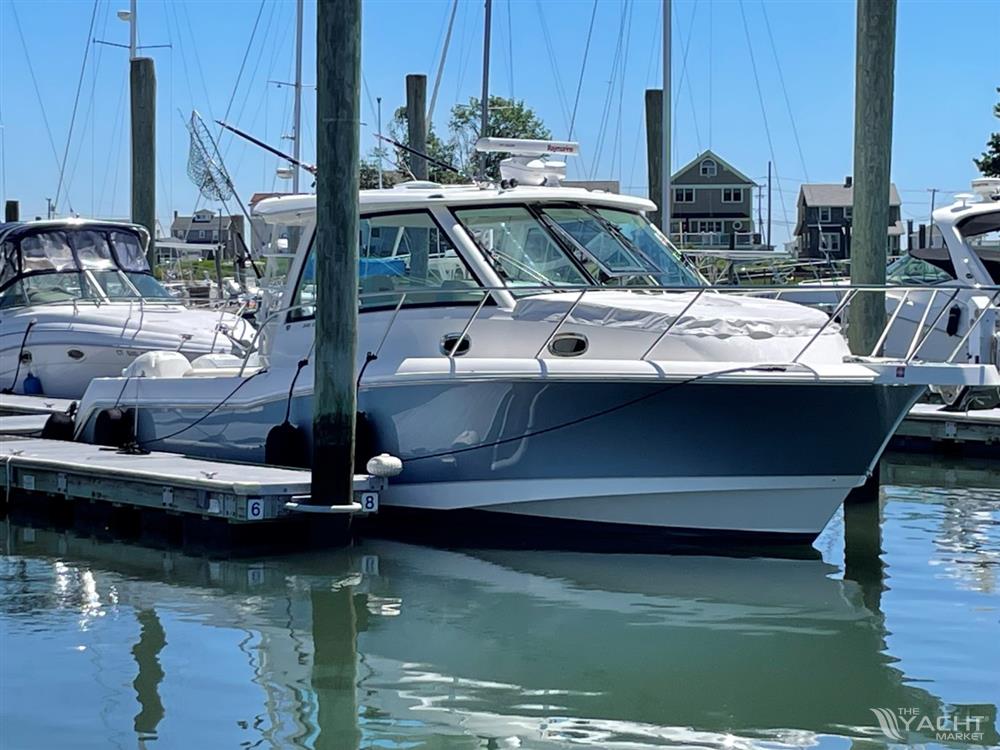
[128,250]
[709,168]
[46,251]
[672,269]
[92,250]
[398,253]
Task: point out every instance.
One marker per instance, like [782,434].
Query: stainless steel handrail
[671,324]
[562,320]
[930,329]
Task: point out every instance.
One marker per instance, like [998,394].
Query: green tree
[436,149]
[508,118]
[989,165]
[369,174]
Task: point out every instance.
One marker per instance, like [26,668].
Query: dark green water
[389,645]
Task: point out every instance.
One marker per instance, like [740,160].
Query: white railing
[715,239]
[988,310]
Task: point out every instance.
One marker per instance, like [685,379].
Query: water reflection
[393,645]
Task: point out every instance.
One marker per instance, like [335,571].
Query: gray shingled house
[823,228]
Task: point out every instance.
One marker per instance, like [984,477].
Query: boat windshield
[574,245]
[910,271]
[62,265]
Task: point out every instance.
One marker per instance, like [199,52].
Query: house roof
[828,194]
[709,154]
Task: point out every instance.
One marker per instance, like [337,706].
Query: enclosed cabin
[73,261]
[965,246]
[524,268]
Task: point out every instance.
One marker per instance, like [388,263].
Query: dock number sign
[255,508]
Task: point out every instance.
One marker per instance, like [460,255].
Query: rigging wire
[34,82]
[686,46]
[583,67]
[616,148]
[654,53]
[784,91]
[76,104]
[243,64]
[609,97]
[763,112]
[510,50]
[553,62]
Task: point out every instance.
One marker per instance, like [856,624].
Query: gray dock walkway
[239,493]
[929,427]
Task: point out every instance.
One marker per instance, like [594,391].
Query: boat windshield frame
[592,270]
[114,270]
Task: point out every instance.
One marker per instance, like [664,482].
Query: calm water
[390,645]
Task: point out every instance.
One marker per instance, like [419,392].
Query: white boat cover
[714,315]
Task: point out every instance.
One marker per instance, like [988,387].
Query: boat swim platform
[69,481]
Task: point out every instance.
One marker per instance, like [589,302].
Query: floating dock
[223,504]
[930,428]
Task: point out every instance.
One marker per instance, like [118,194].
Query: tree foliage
[509,118]
[989,164]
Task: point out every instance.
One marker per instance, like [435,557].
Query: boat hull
[774,459]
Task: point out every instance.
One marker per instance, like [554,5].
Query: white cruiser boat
[534,363]
[944,289]
[78,301]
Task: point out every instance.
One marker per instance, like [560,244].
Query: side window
[399,253]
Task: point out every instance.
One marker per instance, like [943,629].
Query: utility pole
[381,166]
[760,209]
[654,151]
[416,107]
[873,98]
[933,192]
[338,143]
[484,125]
[142,88]
[665,123]
[769,205]
[297,115]
[50,209]
[133,30]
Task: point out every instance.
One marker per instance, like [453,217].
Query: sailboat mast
[297,124]
[133,31]
[485,103]
[665,157]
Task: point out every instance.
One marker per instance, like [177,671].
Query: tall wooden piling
[654,150]
[873,98]
[338,142]
[142,90]
[416,108]
[12,211]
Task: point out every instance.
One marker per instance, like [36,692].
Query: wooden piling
[654,150]
[416,107]
[873,98]
[12,211]
[142,90]
[338,142]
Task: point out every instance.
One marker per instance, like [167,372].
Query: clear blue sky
[947,70]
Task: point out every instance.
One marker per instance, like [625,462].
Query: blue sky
[947,71]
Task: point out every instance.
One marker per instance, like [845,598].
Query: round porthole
[449,340]
[568,345]
[74,354]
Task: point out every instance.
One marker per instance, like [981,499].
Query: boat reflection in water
[393,645]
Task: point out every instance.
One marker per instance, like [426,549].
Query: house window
[709,225]
[683,195]
[829,242]
[709,168]
[732,195]
[825,214]
[848,212]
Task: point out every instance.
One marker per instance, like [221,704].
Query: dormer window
[709,168]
